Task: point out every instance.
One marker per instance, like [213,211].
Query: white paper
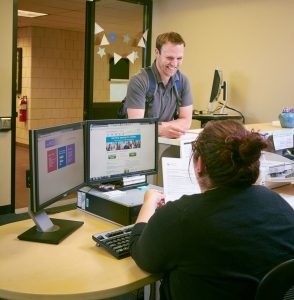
[186,149]
[118,91]
[283,139]
[178,178]
[288,198]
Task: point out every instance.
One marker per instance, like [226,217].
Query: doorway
[52,75]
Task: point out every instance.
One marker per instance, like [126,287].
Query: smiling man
[172,102]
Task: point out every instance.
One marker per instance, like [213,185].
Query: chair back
[277,284]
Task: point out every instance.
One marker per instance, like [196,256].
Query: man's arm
[135,113]
[171,129]
[176,128]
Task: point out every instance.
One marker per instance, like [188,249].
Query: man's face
[169,59]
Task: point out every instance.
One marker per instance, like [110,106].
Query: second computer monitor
[117,149]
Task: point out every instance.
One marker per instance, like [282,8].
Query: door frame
[9,208]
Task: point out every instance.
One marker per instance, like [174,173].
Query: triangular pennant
[141,43]
[98,28]
[104,41]
[131,57]
[145,35]
[116,57]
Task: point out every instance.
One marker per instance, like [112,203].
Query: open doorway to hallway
[52,74]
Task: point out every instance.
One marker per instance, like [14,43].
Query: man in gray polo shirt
[169,55]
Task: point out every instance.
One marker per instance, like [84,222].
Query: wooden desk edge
[95,295]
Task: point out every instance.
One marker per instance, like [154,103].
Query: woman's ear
[200,166]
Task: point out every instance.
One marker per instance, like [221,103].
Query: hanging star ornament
[126,38]
[101,52]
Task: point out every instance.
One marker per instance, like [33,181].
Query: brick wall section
[53,77]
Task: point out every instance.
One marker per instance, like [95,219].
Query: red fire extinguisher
[23,104]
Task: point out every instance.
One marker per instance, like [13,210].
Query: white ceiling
[62,14]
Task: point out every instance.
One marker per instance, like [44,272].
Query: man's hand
[170,130]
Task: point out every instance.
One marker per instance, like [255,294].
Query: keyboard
[116,242]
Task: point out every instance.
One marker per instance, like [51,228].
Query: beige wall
[52,79]
[251,41]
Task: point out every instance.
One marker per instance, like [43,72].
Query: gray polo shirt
[164,104]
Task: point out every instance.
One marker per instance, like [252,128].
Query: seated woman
[217,244]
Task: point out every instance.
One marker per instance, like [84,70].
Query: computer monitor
[56,170]
[218,85]
[121,152]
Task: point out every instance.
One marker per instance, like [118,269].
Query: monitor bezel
[34,204]
[119,177]
[216,86]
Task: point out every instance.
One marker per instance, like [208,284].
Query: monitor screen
[56,170]
[120,148]
[57,162]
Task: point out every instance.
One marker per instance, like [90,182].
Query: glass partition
[118,38]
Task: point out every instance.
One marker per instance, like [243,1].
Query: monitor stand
[50,231]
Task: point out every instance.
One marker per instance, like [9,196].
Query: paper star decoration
[101,52]
[126,38]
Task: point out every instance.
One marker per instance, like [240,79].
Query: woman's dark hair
[230,153]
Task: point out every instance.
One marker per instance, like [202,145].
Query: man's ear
[156,52]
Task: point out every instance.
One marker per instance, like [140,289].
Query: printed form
[178,178]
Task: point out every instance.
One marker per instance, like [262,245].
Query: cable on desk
[237,111]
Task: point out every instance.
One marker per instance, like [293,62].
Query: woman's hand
[152,200]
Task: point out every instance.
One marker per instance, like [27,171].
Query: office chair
[277,284]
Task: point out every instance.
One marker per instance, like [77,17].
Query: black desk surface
[209,117]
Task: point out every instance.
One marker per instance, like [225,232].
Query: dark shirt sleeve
[136,92]
[187,98]
[154,245]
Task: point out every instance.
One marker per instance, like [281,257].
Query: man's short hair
[172,37]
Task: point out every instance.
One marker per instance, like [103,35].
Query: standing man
[169,55]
